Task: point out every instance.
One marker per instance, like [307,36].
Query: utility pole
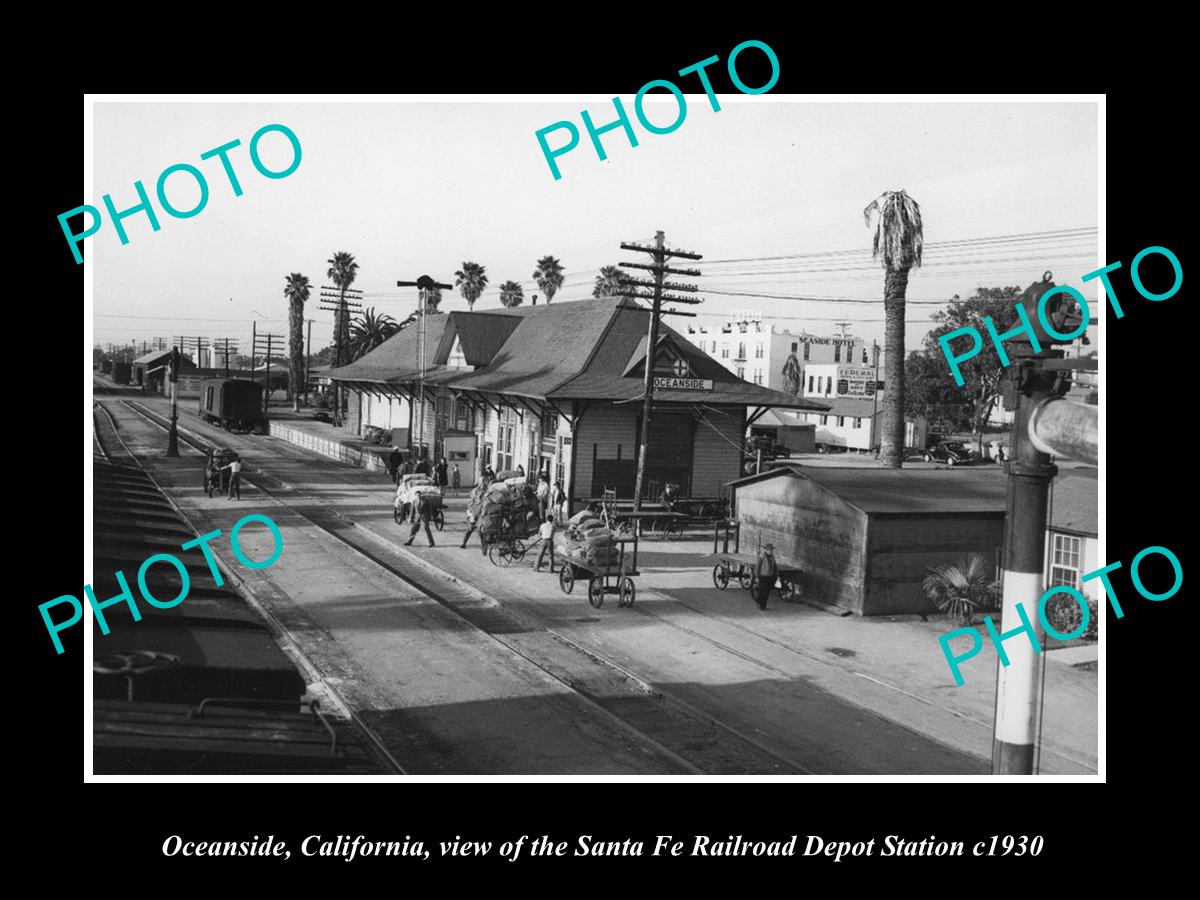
[423,285]
[225,346]
[335,300]
[173,433]
[307,361]
[660,270]
[875,394]
[1033,379]
[266,343]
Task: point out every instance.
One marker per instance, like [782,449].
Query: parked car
[953,453]
[770,449]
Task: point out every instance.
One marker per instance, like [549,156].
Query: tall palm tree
[369,331]
[959,590]
[897,244]
[511,294]
[296,291]
[471,280]
[609,282]
[549,276]
[342,271]
[791,374]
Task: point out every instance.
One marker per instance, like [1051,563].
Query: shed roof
[1074,502]
[902,491]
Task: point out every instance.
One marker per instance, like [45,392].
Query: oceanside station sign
[671,383]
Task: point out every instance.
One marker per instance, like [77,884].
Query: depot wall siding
[813,530]
[902,549]
[612,431]
[716,456]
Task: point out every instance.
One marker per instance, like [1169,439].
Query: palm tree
[898,242]
[511,294]
[297,291]
[959,590]
[471,280]
[369,331]
[791,374]
[342,271]
[549,276]
[609,282]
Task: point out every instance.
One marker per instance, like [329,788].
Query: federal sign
[670,383]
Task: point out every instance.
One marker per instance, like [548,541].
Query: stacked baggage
[586,539]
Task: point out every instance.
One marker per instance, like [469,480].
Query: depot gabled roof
[585,350]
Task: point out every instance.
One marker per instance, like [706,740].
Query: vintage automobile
[952,453]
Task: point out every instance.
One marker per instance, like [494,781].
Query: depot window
[1065,561]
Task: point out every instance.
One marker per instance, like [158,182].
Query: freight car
[235,404]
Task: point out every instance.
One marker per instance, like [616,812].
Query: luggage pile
[413,488]
[514,503]
[586,540]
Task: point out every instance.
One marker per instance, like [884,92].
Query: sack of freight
[515,482]
[506,474]
[416,478]
[582,516]
[426,489]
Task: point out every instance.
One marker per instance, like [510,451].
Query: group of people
[443,474]
[215,481]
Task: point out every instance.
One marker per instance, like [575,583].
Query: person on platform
[235,477]
[765,572]
[425,512]
[546,534]
[395,460]
[440,473]
[423,467]
[558,498]
[543,495]
[455,479]
[489,474]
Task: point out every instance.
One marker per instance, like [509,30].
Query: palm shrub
[959,590]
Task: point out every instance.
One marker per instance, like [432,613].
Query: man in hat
[765,572]
[395,460]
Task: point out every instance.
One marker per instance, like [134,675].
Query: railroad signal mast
[658,270]
[225,347]
[424,284]
[267,344]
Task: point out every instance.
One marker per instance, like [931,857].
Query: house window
[1064,561]
[741,372]
[549,425]
[741,351]
[810,381]
[714,346]
[864,353]
[504,453]
[758,375]
[824,420]
[806,346]
[724,352]
[820,383]
[758,350]
[857,422]
[841,421]
[837,352]
[795,346]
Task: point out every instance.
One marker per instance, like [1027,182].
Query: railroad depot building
[558,389]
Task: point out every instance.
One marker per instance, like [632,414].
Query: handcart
[614,577]
[734,565]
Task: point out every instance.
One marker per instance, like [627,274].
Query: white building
[756,351]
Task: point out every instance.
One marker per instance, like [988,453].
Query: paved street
[689,679]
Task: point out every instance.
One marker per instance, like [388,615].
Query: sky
[414,188]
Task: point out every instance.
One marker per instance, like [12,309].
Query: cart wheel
[628,591]
[566,578]
[672,531]
[517,549]
[596,591]
[721,576]
[706,511]
[439,520]
[499,555]
[745,577]
[788,592]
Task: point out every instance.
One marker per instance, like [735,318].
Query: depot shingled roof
[565,351]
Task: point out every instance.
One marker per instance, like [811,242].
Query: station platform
[327,440]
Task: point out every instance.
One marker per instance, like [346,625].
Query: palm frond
[899,235]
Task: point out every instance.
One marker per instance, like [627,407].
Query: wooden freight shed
[865,538]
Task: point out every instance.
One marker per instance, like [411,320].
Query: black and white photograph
[702,433]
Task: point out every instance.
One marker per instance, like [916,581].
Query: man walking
[424,513]
[394,461]
[235,477]
[765,572]
[546,533]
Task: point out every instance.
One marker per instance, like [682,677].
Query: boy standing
[546,533]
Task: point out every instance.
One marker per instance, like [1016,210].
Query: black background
[1147,395]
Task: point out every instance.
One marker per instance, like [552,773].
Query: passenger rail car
[234,404]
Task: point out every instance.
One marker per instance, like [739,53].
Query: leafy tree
[898,241]
[471,280]
[791,375]
[959,590]
[511,294]
[610,282]
[929,393]
[983,376]
[369,331]
[296,290]
[549,276]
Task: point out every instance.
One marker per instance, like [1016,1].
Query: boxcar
[235,404]
[121,372]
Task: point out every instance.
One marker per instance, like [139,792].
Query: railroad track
[383,756]
[574,665]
